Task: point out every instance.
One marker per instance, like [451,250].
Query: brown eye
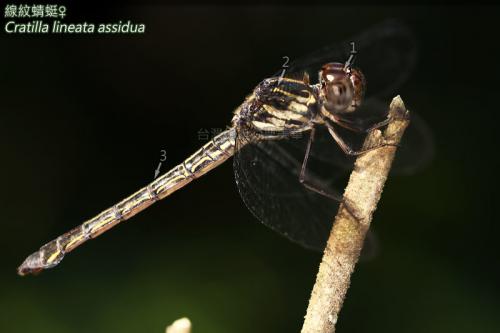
[336,88]
[359,86]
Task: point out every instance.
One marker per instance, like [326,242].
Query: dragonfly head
[342,89]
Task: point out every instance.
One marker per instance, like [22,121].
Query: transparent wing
[267,177]
[386,55]
[267,172]
[416,148]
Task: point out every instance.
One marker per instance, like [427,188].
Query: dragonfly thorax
[341,89]
[279,106]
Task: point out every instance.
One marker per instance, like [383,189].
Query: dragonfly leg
[348,150]
[377,125]
[315,188]
[302,176]
[359,129]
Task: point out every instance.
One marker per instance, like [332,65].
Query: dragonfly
[291,141]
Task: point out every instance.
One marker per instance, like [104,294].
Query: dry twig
[182,325]
[348,233]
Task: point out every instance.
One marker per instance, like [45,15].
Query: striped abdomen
[212,154]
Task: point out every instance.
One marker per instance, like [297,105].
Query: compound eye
[336,88]
[359,87]
[338,95]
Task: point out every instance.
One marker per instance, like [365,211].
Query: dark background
[83,120]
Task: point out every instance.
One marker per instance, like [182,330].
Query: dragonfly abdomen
[212,154]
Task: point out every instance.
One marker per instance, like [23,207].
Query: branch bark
[348,233]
